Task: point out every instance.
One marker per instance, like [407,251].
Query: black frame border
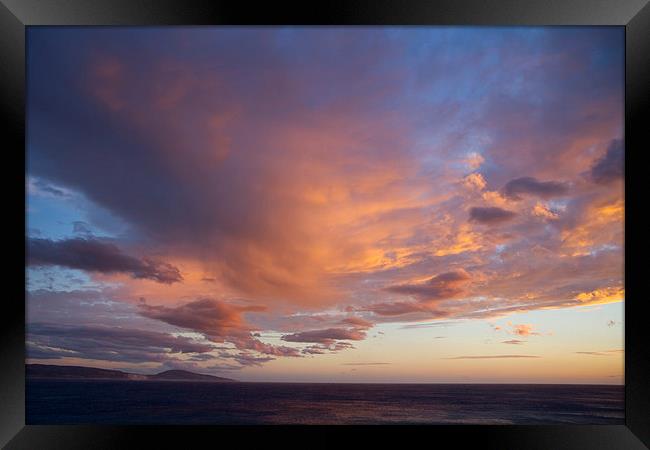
[634,15]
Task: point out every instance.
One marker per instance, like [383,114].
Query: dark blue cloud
[55,341]
[519,187]
[610,166]
[96,255]
[490,215]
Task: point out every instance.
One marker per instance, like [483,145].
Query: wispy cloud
[366,364]
[494,357]
[326,336]
[441,323]
[601,353]
[513,342]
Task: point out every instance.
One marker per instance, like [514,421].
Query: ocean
[169,402]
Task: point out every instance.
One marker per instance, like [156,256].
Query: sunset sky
[389,204]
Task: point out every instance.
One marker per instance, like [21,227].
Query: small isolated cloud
[529,186]
[326,336]
[495,357]
[490,215]
[513,342]
[601,353]
[366,364]
[610,166]
[438,323]
[523,330]
[95,255]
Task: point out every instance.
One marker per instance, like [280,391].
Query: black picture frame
[634,15]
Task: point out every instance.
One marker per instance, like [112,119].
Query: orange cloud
[523,330]
[541,210]
[602,296]
[465,240]
[475,181]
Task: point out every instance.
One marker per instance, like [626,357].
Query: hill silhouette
[92,373]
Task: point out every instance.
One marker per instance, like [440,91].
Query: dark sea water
[150,402]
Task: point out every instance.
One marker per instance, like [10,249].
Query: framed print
[355,217]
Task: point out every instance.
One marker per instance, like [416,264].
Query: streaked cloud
[513,342]
[524,330]
[366,364]
[601,353]
[495,357]
[326,336]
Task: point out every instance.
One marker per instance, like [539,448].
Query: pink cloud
[326,336]
[218,321]
[357,322]
[513,342]
[524,330]
[442,286]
